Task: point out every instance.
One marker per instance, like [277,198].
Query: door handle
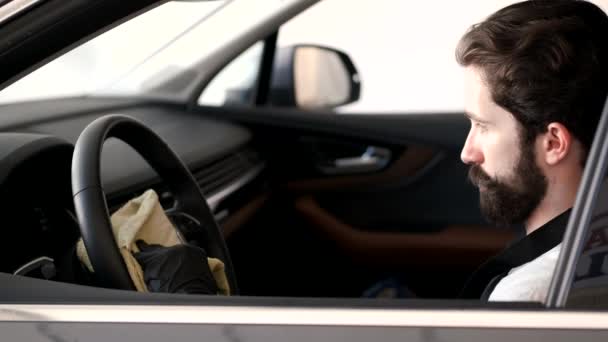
[373,159]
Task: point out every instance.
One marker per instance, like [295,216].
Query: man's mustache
[479,177]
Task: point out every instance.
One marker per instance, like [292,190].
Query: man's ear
[556,143]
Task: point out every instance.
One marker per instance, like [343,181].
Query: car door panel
[418,211]
[404,167]
[424,184]
[452,245]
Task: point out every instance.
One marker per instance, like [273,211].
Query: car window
[167,63]
[236,83]
[101,63]
[405,60]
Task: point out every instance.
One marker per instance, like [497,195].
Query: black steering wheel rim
[91,205]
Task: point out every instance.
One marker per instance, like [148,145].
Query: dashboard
[40,228]
[38,218]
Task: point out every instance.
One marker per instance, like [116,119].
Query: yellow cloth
[143,218]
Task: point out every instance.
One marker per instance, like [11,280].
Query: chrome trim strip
[305,316]
[30,265]
[215,199]
[15,7]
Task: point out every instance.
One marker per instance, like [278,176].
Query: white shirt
[528,282]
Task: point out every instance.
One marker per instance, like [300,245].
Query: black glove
[177,269]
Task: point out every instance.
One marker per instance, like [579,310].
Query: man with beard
[536,79]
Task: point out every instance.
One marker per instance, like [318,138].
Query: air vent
[215,176]
[226,174]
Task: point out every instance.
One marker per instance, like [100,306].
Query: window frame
[578,227]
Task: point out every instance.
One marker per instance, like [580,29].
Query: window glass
[236,83]
[405,59]
[107,60]
[403,50]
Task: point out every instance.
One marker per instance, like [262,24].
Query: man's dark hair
[544,61]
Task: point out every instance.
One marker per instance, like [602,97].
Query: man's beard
[511,201]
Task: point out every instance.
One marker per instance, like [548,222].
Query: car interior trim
[15,7]
[413,160]
[463,245]
[243,214]
[216,199]
[304,316]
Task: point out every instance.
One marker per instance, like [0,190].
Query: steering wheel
[92,209]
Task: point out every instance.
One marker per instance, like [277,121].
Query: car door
[580,279]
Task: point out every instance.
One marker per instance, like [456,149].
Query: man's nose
[470,153]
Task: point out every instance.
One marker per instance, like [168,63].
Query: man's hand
[176,269]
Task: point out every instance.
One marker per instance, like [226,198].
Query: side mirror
[309,76]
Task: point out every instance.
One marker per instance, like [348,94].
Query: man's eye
[481,127]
